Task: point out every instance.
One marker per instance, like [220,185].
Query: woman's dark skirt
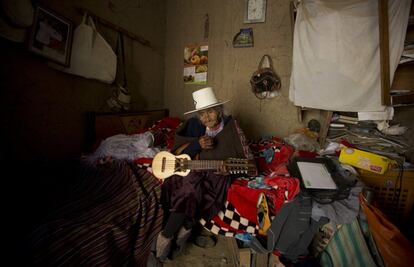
[197,195]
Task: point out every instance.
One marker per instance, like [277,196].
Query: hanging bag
[394,247]
[92,57]
[265,82]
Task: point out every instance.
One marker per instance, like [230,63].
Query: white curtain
[336,63]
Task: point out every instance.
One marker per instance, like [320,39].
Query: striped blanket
[111,220]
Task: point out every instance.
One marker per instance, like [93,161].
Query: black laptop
[319,177]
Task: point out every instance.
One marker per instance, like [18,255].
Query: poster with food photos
[195,64]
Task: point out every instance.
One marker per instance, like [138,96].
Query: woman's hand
[222,170]
[206,142]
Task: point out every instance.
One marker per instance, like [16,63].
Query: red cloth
[307,154]
[282,154]
[281,170]
[244,199]
[347,144]
[164,131]
[284,185]
[143,161]
[167,122]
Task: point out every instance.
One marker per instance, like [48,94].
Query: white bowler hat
[205,98]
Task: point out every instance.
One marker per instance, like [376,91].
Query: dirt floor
[221,255]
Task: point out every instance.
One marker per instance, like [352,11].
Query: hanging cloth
[336,62]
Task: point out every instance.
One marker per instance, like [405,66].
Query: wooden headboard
[103,125]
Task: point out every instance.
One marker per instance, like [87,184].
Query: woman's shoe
[205,241]
[163,247]
[182,238]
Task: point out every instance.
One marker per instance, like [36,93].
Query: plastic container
[385,187]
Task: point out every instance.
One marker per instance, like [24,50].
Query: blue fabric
[347,248]
[268,154]
[258,183]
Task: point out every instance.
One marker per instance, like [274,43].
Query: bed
[111,213]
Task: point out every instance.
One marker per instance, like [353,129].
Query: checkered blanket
[229,222]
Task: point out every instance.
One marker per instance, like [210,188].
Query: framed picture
[244,38]
[51,36]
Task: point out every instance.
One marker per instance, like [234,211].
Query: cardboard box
[245,257]
[365,160]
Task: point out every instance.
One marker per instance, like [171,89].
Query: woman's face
[209,117]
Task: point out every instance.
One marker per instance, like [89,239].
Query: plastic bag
[301,141]
[394,248]
[92,57]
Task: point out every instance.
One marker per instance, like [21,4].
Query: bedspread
[111,220]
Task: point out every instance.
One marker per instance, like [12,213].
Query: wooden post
[327,116]
[384,51]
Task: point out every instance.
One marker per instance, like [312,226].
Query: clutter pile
[309,201]
[375,136]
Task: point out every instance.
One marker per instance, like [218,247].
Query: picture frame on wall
[51,36]
[244,38]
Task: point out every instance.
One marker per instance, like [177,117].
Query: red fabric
[282,154]
[244,199]
[164,131]
[347,144]
[277,253]
[281,170]
[143,161]
[307,154]
[167,122]
[283,184]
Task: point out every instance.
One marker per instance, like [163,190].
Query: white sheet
[129,147]
[336,63]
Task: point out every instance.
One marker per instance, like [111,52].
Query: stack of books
[401,98]
[407,54]
[340,121]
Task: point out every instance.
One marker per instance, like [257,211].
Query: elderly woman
[209,136]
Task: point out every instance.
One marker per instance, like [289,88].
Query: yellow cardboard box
[365,160]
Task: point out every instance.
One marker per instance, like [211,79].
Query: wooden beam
[109,24]
[384,51]
[326,121]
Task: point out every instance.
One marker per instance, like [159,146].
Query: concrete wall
[230,68]
[44,110]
